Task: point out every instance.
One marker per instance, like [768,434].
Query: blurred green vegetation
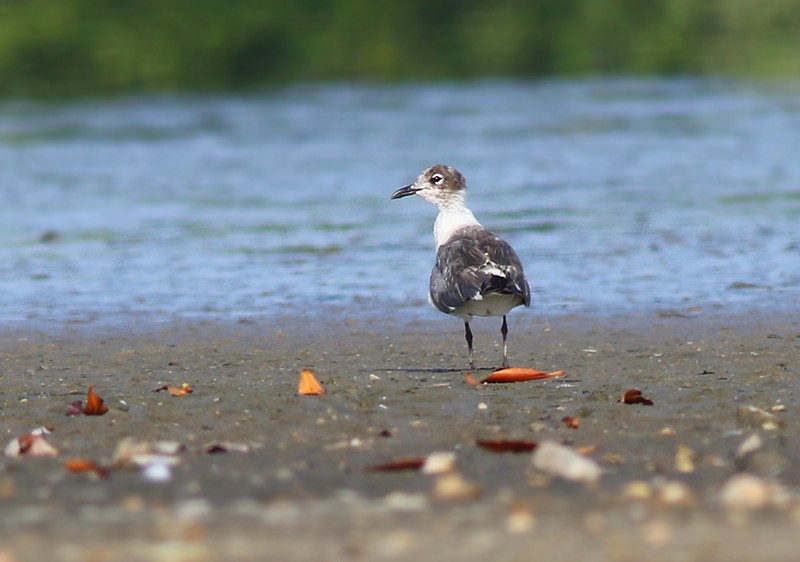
[53,48]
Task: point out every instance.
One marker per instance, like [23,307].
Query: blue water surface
[619,196]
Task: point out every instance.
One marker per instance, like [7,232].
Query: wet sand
[298,489]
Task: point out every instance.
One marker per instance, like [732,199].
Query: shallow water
[618,195]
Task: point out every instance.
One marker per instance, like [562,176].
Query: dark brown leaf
[506,445]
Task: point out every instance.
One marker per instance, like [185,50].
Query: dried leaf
[469,379]
[86,465]
[181,390]
[506,445]
[309,385]
[412,463]
[634,396]
[570,422]
[94,404]
[519,374]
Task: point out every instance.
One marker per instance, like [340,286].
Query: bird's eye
[437,179]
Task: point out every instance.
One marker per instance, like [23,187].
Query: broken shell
[559,460]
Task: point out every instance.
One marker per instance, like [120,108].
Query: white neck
[453,215]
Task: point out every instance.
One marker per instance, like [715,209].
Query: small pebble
[675,493]
[745,492]
[439,462]
[520,520]
[637,490]
[157,472]
[684,459]
[454,487]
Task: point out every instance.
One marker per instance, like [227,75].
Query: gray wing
[473,264]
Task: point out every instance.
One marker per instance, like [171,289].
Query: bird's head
[437,184]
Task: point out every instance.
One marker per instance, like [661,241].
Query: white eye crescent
[437,179]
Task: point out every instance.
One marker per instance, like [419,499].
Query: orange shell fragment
[85,465]
[179,391]
[634,396]
[94,404]
[469,379]
[519,374]
[309,385]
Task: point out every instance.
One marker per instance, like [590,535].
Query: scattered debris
[85,465]
[637,490]
[745,492]
[520,520]
[750,445]
[412,463]
[559,460]
[684,459]
[570,422]
[132,452]
[440,462]
[309,385]
[158,470]
[32,444]
[177,391]
[506,445]
[634,396]
[750,416]
[229,447]
[454,487]
[675,493]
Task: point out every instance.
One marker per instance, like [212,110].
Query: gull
[477,273]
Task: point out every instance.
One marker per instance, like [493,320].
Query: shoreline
[395,389]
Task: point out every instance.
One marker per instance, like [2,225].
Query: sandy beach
[250,470]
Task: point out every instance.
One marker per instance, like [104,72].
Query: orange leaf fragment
[94,404]
[309,385]
[413,463]
[634,396]
[506,445]
[586,449]
[570,422]
[471,380]
[86,465]
[519,374]
[181,390]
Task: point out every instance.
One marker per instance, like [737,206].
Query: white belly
[494,304]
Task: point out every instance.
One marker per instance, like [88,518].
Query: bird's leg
[504,331]
[468,337]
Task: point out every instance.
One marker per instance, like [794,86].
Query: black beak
[405,191]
